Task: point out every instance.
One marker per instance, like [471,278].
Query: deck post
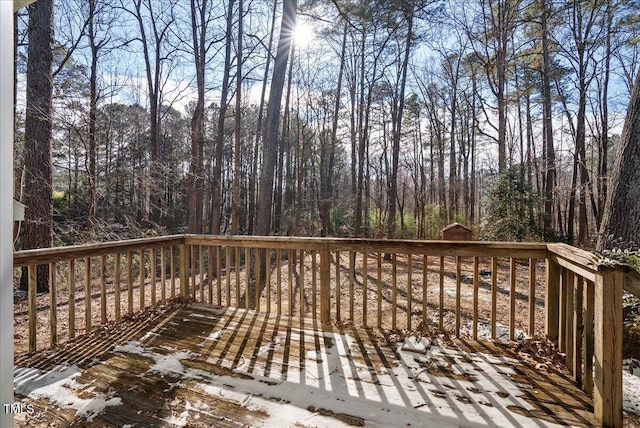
[184,270]
[552,299]
[607,392]
[325,286]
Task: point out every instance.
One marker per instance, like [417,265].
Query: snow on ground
[59,387]
[484,331]
[631,385]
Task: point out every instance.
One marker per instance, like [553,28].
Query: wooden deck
[201,365]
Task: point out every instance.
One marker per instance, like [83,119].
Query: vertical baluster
[338,293]
[279,280]
[267,276]
[290,254]
[425,273]
[352,274]
[379,263]
[192,252]
[532,297]
[256,274]
[163,274]
[301,285]
[562,316]
[247,276]
[31,296]
[569,330]
[53,305]
[325,285]
[247,258]
[116,286]
[494,295]
[219,275]
[314,285]
[552,298]
[103,289]
[588,337]
[476,286]
[141,281]
[512,297]
[184,269]
[153,266]
[227,261]
[441,296]
[458,293]
[578,319]
[87,294]
[72,297]
[365,261]
[409,288]
[210,271]
[394,290]
[201,272]
[172,267]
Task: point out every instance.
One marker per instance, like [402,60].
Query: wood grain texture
[607,393]
[150,398]
[552,300]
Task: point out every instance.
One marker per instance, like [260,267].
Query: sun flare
[303,35]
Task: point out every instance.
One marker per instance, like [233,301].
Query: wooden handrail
[524,250]
[57,254]
[578,261]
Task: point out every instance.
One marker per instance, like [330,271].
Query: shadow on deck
[201,365]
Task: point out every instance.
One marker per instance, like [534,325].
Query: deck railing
[475,289]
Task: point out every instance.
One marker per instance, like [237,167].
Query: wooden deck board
[264,349]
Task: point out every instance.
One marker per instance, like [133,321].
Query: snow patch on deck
[335,383]
[59,387]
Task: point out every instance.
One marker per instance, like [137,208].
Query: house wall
[6,211]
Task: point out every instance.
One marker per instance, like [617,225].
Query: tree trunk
[604,137]
[270,146]
[254,165]
[37,151]
[195,182]
[216,194]
[93,100]
[397,132]
[622,211]
[328,154]
[235,196]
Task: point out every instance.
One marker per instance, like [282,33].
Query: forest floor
[532,347]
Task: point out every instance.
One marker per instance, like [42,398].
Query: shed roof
[456,225]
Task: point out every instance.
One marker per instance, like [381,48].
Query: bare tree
[235,196]
[408,11]
[154,23]
[270,146]
[195,180]
[216,194]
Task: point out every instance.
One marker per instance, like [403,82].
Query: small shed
[457,232]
